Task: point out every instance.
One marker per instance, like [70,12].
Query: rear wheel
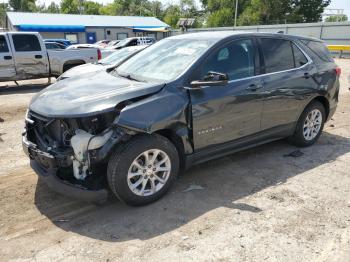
[142,170]
[310,125]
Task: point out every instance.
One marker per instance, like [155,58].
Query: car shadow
[220,183]
[25,86]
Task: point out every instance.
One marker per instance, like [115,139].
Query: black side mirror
[211,79]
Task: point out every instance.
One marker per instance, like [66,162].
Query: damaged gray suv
[185,100]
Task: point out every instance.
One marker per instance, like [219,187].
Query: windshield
[117,56]
[165,60]
[123,42]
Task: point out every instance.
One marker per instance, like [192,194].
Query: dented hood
[88,95]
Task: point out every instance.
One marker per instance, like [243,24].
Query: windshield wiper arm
[129,77]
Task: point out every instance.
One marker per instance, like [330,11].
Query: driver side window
[235,59]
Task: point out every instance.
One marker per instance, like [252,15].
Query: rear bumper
[45,166]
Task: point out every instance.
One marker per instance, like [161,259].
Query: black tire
[298,138]
[122,158]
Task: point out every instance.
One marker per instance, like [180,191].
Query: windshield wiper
[128,76]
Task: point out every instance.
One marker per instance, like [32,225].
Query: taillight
[99,55]
[338,71]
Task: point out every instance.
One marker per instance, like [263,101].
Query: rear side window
[320,50]
[299,57]
[26,43]
[3,45]
[278,54]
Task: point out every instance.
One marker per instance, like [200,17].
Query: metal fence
[332,33]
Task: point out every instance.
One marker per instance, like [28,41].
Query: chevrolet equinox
[182,101]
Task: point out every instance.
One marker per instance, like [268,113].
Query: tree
[337,18]
[91,8]
[70,7]
[53,8]
[308,11]
[172,15]
[3,8]
[22,5]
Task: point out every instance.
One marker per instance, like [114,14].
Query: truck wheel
[310,125]
[143,169]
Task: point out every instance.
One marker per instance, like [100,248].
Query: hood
[83,69]
[84,96]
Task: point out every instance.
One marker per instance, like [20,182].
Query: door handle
[7,57]
[306,75]
[38,56]
[254,87]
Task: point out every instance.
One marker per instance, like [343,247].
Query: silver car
[111,61]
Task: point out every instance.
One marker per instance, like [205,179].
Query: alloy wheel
[149,172]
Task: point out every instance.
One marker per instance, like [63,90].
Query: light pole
[236,13]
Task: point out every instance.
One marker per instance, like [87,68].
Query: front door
[90,37]
[30,56]
[7,65]
[225,113]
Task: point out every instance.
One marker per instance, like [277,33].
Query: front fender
[164,110]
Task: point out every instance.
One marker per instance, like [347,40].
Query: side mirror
[211,79]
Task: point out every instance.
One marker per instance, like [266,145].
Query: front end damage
[71,154]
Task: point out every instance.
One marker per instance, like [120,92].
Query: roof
[218,35]
[68,20]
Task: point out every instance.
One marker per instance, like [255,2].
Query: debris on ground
[296,153]
[2,120]
[193,187]
[62,220]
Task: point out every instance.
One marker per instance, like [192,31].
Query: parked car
[111,49]
[24,56]
[80,46]
[107,63]
[132,41]
[113,42]
[182,101]
[54,45]
[102,43]
[64,42]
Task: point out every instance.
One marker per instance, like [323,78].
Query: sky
[340,4]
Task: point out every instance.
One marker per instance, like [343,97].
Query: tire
[301,137]
[122,168]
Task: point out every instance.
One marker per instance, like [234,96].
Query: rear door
[224,113]
[29,55]
[7,65]
[288,82]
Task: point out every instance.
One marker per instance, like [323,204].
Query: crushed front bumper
[45,165]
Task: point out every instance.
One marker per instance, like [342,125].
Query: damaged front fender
[162,111]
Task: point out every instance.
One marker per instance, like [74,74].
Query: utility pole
[236,13]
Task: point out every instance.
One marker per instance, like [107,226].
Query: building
[86,28]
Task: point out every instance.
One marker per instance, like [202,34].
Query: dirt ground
[256,205]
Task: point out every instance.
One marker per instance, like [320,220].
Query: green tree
[53,8]
[91,8]
[308,11]
[70,7]
[172,15]
[337,18]
[3,8]
[22,5]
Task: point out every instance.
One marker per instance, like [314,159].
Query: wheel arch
[73,62]
[179,140]
[324,101]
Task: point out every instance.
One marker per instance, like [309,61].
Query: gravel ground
[256,205]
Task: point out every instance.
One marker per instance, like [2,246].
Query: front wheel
[310,125]
[142,170]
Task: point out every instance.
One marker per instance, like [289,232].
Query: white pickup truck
[23,56]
